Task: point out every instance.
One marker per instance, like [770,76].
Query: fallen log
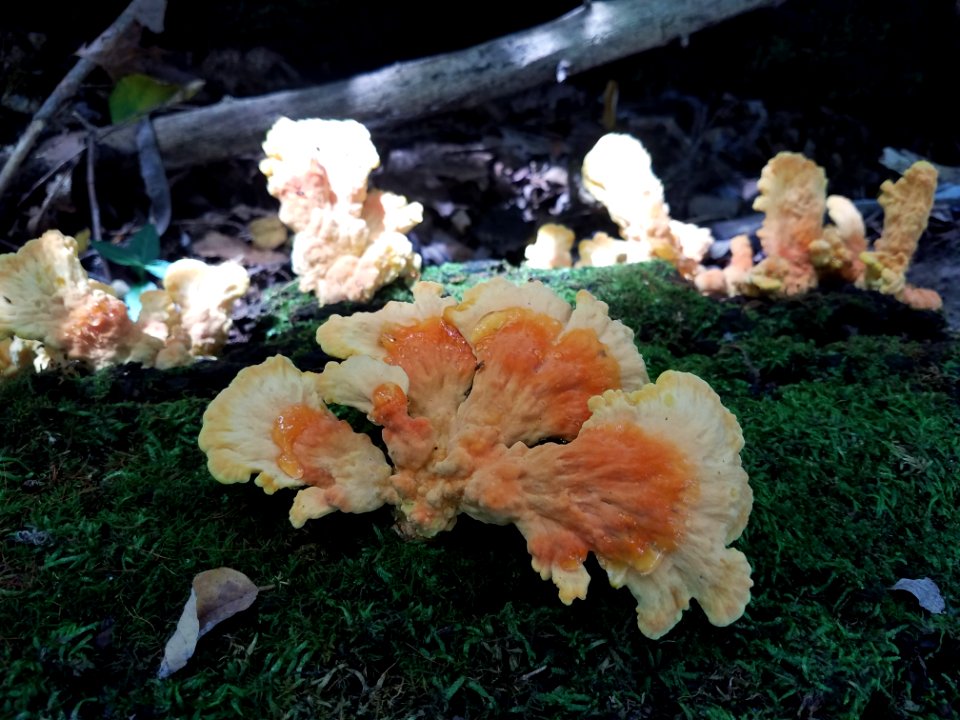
[592,35]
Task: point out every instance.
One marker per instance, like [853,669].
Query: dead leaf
[216,595]
[154,176]
[217,245]
[268,232]
[116,54]
[62,148]
[925,591]
[118,50]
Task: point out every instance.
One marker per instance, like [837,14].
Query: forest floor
[849,403]
[711,115]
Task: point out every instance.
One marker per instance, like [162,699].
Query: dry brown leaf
[268,232]
[217,245]
[117,54]
[215,596]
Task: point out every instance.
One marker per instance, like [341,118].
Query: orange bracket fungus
[618,172]
[906,210]
[58,314]
[510,407]
[349,240]
[801,250]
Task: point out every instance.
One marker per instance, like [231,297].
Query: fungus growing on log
[47,297]
[801,250]
[349,241]
[511,407]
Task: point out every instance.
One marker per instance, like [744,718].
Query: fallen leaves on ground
[216,595]
[925,591]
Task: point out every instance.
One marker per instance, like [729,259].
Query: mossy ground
[850,406]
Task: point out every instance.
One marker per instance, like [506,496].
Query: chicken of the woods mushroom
[511,407]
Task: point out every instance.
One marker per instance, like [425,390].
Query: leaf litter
[216,595]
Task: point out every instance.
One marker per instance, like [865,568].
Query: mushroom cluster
[618,173]
[511,407]
[801,250]
[349,240]
[52,312]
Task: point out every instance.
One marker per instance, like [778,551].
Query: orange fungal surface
[634,486]
[99,322]
[410,440]
[534,379]
[511,408]
[624,497]
[434,355]
[295,427]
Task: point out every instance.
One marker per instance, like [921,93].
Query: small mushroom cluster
[51,312]
[349,240]
[618,173]
[801,250]
[511,407]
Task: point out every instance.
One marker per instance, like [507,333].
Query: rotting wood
[590,36]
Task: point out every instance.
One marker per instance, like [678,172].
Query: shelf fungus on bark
[47,299]
[511,407]
[349,239]
[801,250]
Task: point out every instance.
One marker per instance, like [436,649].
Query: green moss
[849,406]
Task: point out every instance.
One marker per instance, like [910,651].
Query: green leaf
[145,242]
[157,268]
[141,251]
[136,95]
[114,253]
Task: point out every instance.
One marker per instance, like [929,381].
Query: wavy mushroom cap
[906,211]
[47,296]
[540,360]
[349,240]
[652,485]
[42,283]
[204,295]
[271,421]
[793,197]
[618,172]
[341,149]
[906,207]
[551,248]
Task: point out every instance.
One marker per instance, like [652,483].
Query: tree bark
[597,33]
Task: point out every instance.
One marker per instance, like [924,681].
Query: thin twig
[91,147]
[92,186]
[54,191]
[65,90]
